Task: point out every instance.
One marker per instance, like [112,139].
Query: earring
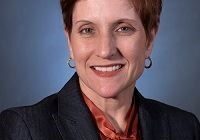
[69,63]
[149,63]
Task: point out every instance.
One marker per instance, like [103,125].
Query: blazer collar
[153,121]
[74,116]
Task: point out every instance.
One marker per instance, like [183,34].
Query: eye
[87,31]
[125,29]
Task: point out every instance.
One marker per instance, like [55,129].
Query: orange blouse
[107,131]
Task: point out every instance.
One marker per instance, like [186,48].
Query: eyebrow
[125,19]
[85,21]
[121,20]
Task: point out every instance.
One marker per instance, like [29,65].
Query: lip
[107,73]
[107,65]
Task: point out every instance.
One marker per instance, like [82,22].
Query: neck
[115,109]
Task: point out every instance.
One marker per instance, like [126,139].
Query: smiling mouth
[110,68]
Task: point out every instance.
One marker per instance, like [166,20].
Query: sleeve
[13,127]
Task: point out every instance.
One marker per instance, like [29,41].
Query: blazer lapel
[153,122]
[74,120]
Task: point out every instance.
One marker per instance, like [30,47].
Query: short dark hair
[148,10]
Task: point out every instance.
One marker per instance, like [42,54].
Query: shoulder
[45,106]
[17,122]
[178,120]
[13,126]
[157,107]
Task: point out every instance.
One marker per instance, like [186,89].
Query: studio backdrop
[34,54]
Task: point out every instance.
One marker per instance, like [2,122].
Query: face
[109,46]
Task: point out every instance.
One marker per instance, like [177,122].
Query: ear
[149,43]
[69,44]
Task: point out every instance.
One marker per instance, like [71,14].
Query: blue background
[33,54]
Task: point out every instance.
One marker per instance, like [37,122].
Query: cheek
[132,49]
[80,50]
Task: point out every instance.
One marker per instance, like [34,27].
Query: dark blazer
[65,116]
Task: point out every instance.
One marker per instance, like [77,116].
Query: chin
[108,93]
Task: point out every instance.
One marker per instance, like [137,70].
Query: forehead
[103,9]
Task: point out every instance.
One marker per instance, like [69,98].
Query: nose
[106,47]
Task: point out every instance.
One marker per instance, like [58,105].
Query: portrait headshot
[99,70]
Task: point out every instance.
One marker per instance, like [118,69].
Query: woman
[110,42]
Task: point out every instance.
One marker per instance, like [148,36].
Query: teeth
[108,69]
